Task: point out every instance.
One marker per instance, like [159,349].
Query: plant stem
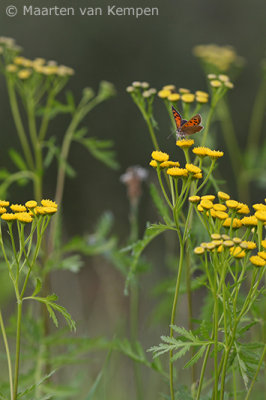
[256,374]
[7,355]
[19,314]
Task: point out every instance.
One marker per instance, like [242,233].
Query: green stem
[7,355]
[256,374]
[19,314]
[207,126]
[215,329]
[151,131]
[204,364]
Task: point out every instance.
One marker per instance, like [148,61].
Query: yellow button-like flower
[49,210]
[48,203]
[248,245]
[215,83]
[2,210]
[185,143]
[224,78]
[263,243]
[257,261]
[39,210]
[261,215]
[194,199]
[228,243]
[223,196]
[169,87]
[4,203]
[204,245]
[199,250]
[236,223]
[217,242]
[211,76]
[31,204]
[174,97]
[160,156]
[210,246]
[24,217]
[188,97]
[262,254]
[167,164]
[210,197]
[17,208]
[225,237]
[197,176]
[236,240]
[177,172]
[164,94]
[11,68]
[201,93]
[214,155]
[8,217]
[215,236]
[250,221]
[237,252]
[24,74]
[201,151]
[202,99]
[232,204]
[153,163]
[259,207]
[207,204]
[183,90]
[228,84]
[243,209]
[193,168]
[200,208]
[219,207]
[221,215]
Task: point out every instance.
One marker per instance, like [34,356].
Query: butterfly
[185,127]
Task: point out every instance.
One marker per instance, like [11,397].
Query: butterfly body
[184,127]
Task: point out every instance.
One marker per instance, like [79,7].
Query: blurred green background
[122,50]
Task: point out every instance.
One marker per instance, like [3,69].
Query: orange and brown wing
[177,117]
[192,126]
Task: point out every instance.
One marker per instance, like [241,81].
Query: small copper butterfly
[185,127]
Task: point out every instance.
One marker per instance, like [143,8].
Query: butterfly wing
[177,117]
[192,126]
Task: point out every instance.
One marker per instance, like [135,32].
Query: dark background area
[122,50]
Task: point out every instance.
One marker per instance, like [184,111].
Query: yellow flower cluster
[205,151]
[217,81]
[25,67]
[26,213]
[142,88]
[220,57]
[172,94]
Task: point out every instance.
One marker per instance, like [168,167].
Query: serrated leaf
[38,287]
[195,358]
[17,159]
[101,150]
[32,387]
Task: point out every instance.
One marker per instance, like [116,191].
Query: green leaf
[55,151]
[38,287]
[99,378]
[160,204]
[195,358]
[17,159]
[32,387]
[70,100]
[102,150]
[4,173]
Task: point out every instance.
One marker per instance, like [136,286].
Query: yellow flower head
[248,245]
[207,204]
[219,207]
[250,221]
[24,73]
[199,250]
[201,93]
[223,196]
[183,90]
[39,210]
[237,252]
[194,199]
[169,87]
[261,215]
[221,215]
[201,151]
[215,83]
[243,209]
[202,99]
[257,261]
[4,203]
[259,207]
[197,176]
[177,172]
[49,210]
[48,203]
[200,208]
[153,163]
[160,156]
[188,97]
[211,212]
[204,245]
[167,164]
[2,210]
[185,143]
[164,94]
[210,197]
[236,223]
[31,204]
[17,208]
[232,204]
[210,246]
[236,240]
[217,242]
[193,168]
[24,217]
[224,78]
[262,254]
[228,243]
[214,155]
[174,97]
[8,217]
[211,76]
[263,243]
[216,236]
[228,84]
[11,68]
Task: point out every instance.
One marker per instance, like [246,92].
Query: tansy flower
[167,164]
[207,204]
[201,151]
[2,210]
[211,76]
[48,203]
[200,208]
[130,89]
[199,250]
[183,90]
[257,261]
[221,215]
[201,93]
[160,156]
[8,217]
[235,224]
[217,242]
[248,245]
[197,176]
[204,245]
[31,204]
[169,87]
[24,217]
[194,199]
[215,236]
[4,203]
[261,215]
[188,97]
[164,94]
[228,243]
[11,68]
[225,237]
[215,83]
[17,208]
[232,204]
[136,84]
[236,240]
[145,85]
[219,207]
[39,210]
[237,252]
[223,196]
[24,73]
[263,243]
[262,254]
[202,99]
[210,246]
[214,155]
[49,210]
[259,207]
[153,163]
[210,197]
[243,209]
[185,143]
[224,78]
[193,168]
[228,84]
[211,212]
[174,97]
[249,221]
[177,172]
